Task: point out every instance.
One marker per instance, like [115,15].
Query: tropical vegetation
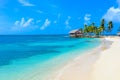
[93,30]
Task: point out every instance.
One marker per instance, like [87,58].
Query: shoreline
[44,71]
[81,68]
[57,73]
[107,67]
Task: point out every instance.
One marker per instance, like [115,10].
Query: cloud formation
[25,3]
[28,22]
[113,13]
[67,22]
[87,18]
[16,23]
[57,20]
[45,25]
[23,23]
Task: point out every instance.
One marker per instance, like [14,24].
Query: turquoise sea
[37,57]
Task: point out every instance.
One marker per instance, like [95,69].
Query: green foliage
[85,29]
[92,29]
[102,24]
[110,26]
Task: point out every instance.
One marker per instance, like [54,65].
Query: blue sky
[55,16]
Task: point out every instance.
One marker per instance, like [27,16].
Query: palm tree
[85,29]
[102,25]
[110,26]
[93,28]
[100,29]
[97,32]
[89,30]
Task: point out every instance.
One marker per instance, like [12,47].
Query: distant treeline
[92,29]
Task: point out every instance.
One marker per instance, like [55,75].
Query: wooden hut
[76,33]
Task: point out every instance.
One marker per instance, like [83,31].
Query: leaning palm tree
[93,28]
[102,25]
[100,29]
[85,30]
[97,32]
[90,30]
[110,26]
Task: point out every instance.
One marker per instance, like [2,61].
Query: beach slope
[100,64]
[108,65]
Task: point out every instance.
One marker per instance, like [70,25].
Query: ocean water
[36,57]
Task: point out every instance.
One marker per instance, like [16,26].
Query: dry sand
[102,63]
[108,65]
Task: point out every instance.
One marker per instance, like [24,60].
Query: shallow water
[21,56]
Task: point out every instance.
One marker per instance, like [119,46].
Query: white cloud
[67,22]
[16,23]
[57,20]
[87,18]
[28,22]
[25,3]
[112,14]
[23,23]
[46,24]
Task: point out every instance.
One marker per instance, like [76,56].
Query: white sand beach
[107,66]
[102,63]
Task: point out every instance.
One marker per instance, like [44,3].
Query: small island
[59,39]
[92,31]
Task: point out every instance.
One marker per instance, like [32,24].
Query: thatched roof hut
[76,33]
